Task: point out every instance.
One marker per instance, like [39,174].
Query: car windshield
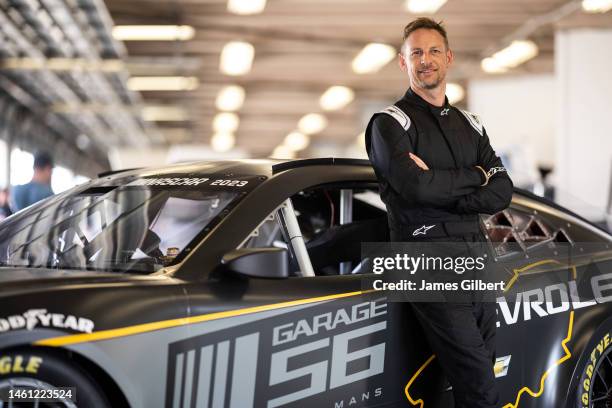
[136,224]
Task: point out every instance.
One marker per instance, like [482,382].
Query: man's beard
[432,85]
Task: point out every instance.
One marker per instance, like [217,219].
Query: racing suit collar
[412,96]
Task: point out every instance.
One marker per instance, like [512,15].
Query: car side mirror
[258,262]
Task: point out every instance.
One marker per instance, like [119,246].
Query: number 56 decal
[211,371]
[340,358]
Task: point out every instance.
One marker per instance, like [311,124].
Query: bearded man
[437,171]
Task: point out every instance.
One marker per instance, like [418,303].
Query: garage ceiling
[63,86]
[302,47]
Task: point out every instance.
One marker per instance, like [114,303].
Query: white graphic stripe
[474,121]
[188,379]
[398,115]
[178,380]
[220,374]
[245,363]
[204,376]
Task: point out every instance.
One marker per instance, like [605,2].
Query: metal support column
[346,217]
[7,118]
[296,240]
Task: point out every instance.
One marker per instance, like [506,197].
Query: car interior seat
[342,243]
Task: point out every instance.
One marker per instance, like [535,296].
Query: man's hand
[418,161]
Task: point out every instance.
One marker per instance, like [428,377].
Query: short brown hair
[427,23]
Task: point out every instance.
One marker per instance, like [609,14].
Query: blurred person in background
[5,209]
[39,187]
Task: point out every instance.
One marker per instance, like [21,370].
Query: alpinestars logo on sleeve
[493,170]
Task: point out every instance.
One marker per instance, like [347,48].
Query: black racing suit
[442,204]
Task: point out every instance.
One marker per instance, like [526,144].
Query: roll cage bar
[287,218]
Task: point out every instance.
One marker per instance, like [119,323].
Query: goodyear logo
[20,364]
[41,318]
[587,383]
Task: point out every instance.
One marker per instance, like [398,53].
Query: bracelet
[485,175]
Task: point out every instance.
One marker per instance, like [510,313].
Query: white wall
[519,114]
[583,61]
[22,166]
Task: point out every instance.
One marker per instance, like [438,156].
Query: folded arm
[496,195]
[389,153]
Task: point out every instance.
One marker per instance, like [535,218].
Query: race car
[240,284]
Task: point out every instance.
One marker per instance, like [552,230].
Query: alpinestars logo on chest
[444,112]
[422,230]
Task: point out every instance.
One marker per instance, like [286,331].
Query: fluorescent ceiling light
[423,6]
[312,123]
[296,141]
[236,58]
[373,57]
[244,7]
[164,114]
[510,57]
[596,6]
[153,32]
[62,64]
[454,93]
[336,97]
[163,83]
[230,98]
[79,64]
[492,66]
[283,152]
[516,53]
[226,122]
[222,142]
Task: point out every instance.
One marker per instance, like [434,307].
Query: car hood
[14,280]
[11,274]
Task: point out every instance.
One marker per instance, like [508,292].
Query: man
[39,187]
[5,209]
[437,172]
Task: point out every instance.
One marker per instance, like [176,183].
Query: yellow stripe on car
[414,377]
[534,394]
[567,356]
[517,271]
[166,324]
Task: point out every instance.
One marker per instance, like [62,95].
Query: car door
[307,339]
[550,308]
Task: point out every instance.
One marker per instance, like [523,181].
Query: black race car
[239,284]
